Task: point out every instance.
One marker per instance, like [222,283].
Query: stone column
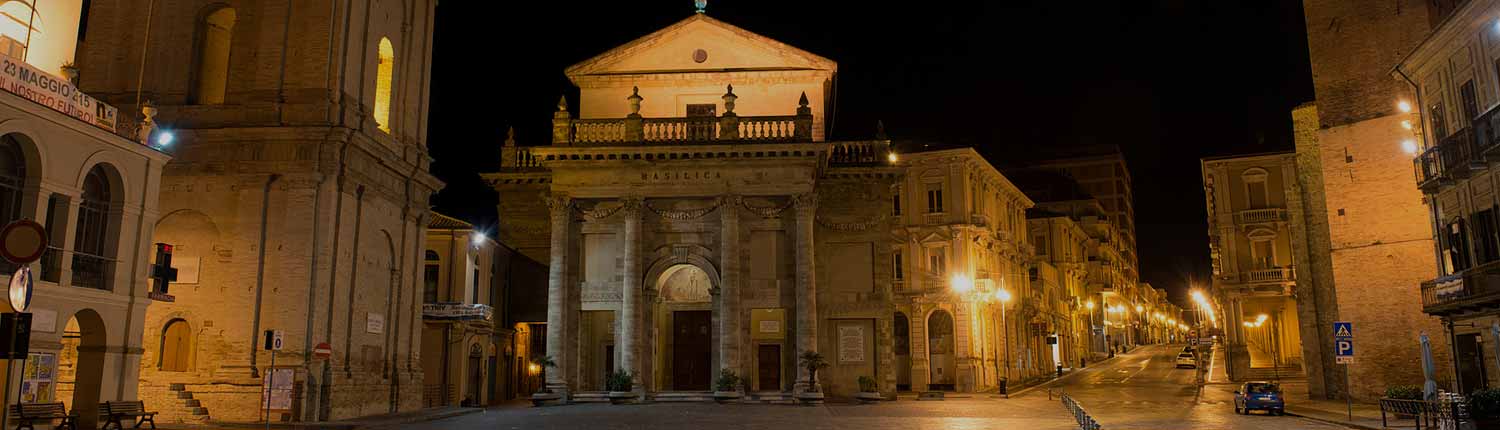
[729,285]
[807,291]
[630,307]
[561,208]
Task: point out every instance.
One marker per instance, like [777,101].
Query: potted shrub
[1403,392]
[545,394]
[620,387]
[727,386]
[869,391]
[812,361]
[1484,408]
[70,71]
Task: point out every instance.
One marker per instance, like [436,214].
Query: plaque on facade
[768,323]
[374,323]
[851,344]
[43,320]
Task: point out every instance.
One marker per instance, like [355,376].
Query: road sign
[273,340]
[323,351]
[23,241]
[1343,342]
[20,289]
[1193,341]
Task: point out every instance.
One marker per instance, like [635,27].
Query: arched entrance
[684,327]
[940,351]
[902,328]
[80,365]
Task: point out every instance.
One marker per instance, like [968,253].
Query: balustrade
[1260,216]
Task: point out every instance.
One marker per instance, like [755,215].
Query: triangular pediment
[675,49]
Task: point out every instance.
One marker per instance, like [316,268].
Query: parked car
[1186,359]
[1190,350]
[1264,396]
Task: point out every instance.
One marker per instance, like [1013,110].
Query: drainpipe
[260,271]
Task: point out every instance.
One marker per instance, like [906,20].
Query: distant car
[1186,359]
[1264,396]
[1190,350]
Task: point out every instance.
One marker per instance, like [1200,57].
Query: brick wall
[1353,45]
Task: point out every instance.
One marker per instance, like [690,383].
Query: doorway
[476,375]
[903,352]
[80,366]
[940,351]
[692,350]
[768,368]
[1470,363]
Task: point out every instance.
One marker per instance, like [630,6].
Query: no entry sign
[23,241]
[323,351]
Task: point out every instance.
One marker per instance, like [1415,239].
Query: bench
[27,414]
[1419,410]
[114,413]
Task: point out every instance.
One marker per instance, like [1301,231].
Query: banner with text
[31,83]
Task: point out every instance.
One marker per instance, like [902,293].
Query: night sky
[1169,81]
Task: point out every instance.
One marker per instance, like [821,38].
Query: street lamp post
[1004,297]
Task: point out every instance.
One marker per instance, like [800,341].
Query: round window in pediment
[700,56]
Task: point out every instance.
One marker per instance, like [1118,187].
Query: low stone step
[685,396]
[177,387]
[192,403]
[201,411]
[591,397]
[184,394]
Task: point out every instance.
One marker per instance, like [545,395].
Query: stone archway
[684,327]
[81,365]
[902,328]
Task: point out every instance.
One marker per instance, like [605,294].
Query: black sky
[1170,81]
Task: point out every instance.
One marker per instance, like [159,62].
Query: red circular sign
[23,241]
[323,351]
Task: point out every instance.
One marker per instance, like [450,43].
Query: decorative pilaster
[807,292]
[561,208]
[630,308]
[729,288]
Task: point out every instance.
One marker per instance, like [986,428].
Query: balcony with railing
[1260,216]
[92,271]
[1472,289]
[1271,275]
[634,129]
[1454,157]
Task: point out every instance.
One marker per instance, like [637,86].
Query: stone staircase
[1287,371]
[180,406]
[684,396]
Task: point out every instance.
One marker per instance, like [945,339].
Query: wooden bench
[27,414]
[113,414]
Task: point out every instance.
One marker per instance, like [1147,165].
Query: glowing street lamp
[961,284]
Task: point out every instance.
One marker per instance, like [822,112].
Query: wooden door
[692,346]
[768,367]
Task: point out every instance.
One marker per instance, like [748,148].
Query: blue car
[1264,396]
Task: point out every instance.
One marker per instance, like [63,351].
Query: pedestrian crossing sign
[1343,342]
[1343,330]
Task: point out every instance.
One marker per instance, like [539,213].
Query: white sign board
[374,323]
[277,387]
[31,83]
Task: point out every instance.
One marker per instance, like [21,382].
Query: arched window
[90,259]
[383,87]
[430,277]
[212,76]
[12,179]
[176,347]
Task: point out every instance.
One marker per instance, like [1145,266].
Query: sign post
[1343,347]
[274,341]
[21,242]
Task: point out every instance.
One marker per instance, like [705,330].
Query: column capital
[558,203]
[631,206]
[805,202]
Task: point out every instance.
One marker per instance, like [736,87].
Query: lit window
[383,76]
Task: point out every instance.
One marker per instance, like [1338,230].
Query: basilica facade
[696,220]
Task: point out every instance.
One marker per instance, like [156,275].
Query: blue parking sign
[1343,342]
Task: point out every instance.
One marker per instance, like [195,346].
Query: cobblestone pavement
[1141,390]
[1146,390]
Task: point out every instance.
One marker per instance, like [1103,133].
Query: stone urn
[621,397]
[723,397]
[867,397]
[542,398]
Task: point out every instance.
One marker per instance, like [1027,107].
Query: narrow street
[1144,389]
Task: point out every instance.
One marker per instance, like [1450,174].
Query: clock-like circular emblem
[700,56]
